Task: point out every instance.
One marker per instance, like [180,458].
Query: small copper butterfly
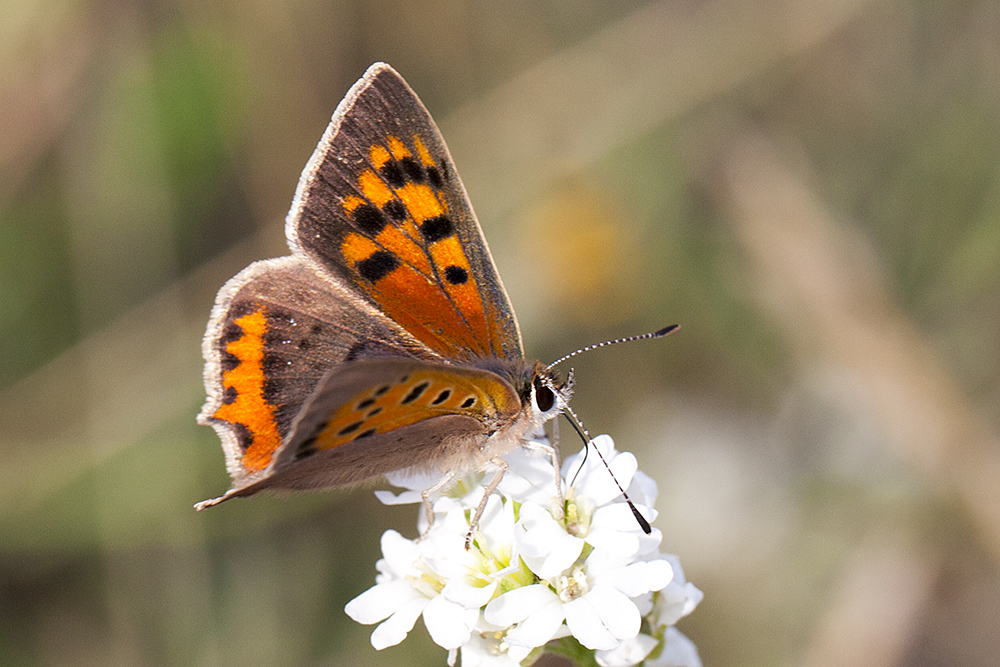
[386,340]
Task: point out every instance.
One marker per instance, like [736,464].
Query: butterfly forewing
[381,207]
[276,331]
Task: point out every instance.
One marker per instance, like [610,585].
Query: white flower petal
[535,529]
[482,651]
[466,595]
[529,477]
[638,578]
[413,480]
[624,467]
[601,562]
[518,653]
[629,652]
[380,602]
[678,651]
[644,603]
[586,625]
[497,522]
[650,543]
[619,614]
[618,515]
[399,553]
[675,563]
[395,629]
[402,498]
[677,602]
[449,624]
[545,546]
[613,541]
[659,573]
[517,604]
[565,549]
[539,627]
[594,481]
[679,598]
[643,489]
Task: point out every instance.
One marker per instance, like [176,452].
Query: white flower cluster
[529,579]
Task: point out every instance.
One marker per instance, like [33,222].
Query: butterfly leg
[552,451]
[494,483]
[425,496]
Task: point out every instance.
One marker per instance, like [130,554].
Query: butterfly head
[548,394]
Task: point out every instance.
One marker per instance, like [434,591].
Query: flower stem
[570,648]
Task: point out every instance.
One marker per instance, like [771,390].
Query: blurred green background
[812,189]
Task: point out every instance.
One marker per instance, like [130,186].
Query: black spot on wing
[393,174]
[434,176]
[350,428]
[306,449]
[377,265]
[395,209]
[243,308]
[414,170]
[228,361]
[442,397]
[415,393]
[230,333]
[456,275]
[243,435]
[369,219]
[437,228]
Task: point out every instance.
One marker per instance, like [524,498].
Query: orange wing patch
[418,395]
[249,408]
[425,155]
[408,255]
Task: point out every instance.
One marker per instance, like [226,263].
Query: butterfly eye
[544,398]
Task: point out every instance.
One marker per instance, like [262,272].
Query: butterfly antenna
[666,331]
[582,432]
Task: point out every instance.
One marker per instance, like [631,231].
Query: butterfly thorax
[542,396]
[529,378]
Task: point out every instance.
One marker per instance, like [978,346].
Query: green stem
[570,648]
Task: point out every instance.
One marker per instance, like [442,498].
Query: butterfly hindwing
[380,206]
[369,405]
[276,331]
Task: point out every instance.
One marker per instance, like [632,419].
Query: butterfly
[386,340]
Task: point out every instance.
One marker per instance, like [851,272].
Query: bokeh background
[812,189]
